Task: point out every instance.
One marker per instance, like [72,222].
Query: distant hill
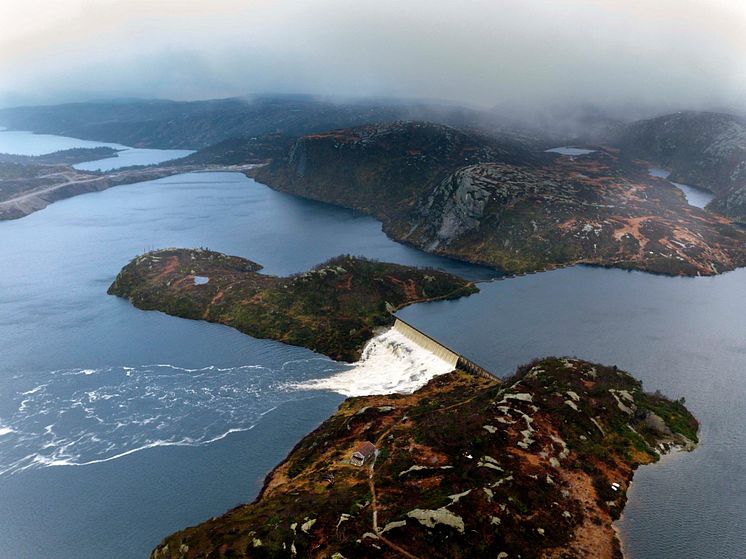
[702,149]
[500,200]
[198,124]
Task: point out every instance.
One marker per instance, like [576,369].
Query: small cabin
[363,453]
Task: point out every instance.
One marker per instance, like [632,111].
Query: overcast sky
[668,53]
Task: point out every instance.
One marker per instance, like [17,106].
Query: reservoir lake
[19,142]
[119,426]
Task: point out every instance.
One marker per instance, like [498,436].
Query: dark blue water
[684,336]
[118,426]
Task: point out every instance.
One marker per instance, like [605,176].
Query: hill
[699,148]
[197,124]
[535,466]
[503,202]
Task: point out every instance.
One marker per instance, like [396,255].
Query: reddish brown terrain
[536,466]
[505,203]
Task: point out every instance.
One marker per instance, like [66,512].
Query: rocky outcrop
[458,204]
[546,479]
[384,169]
[462,201]
[588,210]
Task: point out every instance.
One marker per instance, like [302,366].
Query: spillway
[399,360]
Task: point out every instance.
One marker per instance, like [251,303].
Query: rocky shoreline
[537,465]
[470,198]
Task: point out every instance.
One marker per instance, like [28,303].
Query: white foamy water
[391,363]
[78,417]
[87,416]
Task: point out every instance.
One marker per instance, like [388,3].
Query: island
[334,308]
[536,465]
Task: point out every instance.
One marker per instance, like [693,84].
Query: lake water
[568,150]
[119,426]
[698,197]
[28,143]
[107,413]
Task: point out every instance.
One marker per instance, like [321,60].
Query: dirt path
[374,507]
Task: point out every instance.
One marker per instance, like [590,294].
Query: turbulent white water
[390,363]
[77,417]
[86,416]
[81,416]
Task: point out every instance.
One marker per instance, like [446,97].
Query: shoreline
[667,456]
[389,231]
[32,201]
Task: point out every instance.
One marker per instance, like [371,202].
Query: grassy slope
[332,308]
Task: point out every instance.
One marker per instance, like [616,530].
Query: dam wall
[439,350]
[426,342]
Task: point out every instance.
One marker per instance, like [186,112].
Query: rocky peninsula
[537,465]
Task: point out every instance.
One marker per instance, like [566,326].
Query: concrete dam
[438,349]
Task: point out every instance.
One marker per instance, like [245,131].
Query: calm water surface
[28,143]
[684,336]
[118,426]
[698,197]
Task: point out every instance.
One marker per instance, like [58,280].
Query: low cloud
[667,54]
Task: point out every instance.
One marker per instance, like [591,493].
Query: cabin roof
[366,449]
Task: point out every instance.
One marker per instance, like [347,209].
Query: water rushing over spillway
[391,363]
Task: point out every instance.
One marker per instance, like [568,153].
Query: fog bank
[517,53]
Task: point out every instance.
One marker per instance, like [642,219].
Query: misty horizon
[628,58]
